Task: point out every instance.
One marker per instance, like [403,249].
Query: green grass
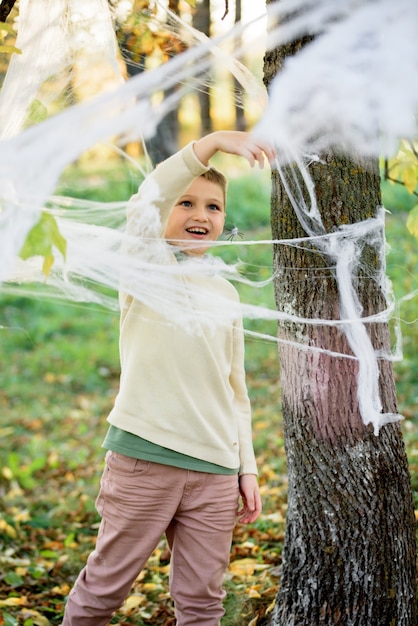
[58,380]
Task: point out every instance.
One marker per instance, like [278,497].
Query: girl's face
[198,216]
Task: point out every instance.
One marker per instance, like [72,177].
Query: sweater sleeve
[248,463]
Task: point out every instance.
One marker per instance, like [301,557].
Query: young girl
[179,444]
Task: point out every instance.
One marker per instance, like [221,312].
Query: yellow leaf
[409,177]
[394,170]
[271,606]
[61,590]
[404,167]
[9,49]
[249,545]
[5,528]
[22,516]
[14,601]
[133,602]
[150,587]
[243,567]
[47,264]
[36,618]
[261,425]
[7,473]
[7,27]
[412,221]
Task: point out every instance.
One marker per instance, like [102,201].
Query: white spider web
[341,90]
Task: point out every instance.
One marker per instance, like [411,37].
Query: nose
[199,213]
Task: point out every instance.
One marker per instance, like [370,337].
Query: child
[179,444]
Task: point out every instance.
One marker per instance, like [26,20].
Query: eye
[214,207]
[185,203]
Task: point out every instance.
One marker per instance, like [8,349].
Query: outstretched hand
[251,499]
[244,144]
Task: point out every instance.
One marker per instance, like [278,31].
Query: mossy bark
[349,553]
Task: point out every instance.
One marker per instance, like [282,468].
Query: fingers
[258,151]
[270,152]
[251,500]
[247,515]
[247,145]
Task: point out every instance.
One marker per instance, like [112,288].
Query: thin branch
[399,182]
[226,9]
[5,8]
[413,149]
[386,174]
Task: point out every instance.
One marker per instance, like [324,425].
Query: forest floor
[61,382]
[58,379]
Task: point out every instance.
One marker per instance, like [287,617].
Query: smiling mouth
[197,230]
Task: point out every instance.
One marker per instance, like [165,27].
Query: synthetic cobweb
[341,90]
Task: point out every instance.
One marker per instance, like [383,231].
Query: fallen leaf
[36,618]
[14,601]
[243,567]
[61,590]
[5,528]
[133,602]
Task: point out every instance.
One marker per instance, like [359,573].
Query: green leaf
[69,540]
[9,620]
[412,221]
[13,579]
[48,554]
[41,239]
[37,112]
[10,49]
[4,30]
[6,26]
[13,462]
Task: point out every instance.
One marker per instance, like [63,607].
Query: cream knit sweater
[183,388]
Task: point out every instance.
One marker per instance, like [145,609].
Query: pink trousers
[139,501]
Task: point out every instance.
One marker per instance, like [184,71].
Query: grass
[58,381]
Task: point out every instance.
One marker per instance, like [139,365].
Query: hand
[243,144]
[251,499]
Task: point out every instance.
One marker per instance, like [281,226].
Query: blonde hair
[215,176]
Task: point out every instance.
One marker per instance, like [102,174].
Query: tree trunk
[349,553]
[5,9]
[164,143]
[240,123]
[202,22]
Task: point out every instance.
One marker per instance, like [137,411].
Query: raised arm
[234,142]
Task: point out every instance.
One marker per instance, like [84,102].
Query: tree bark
[349,553]
[165,141]
[240,122]
[5,9]
[202,22]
